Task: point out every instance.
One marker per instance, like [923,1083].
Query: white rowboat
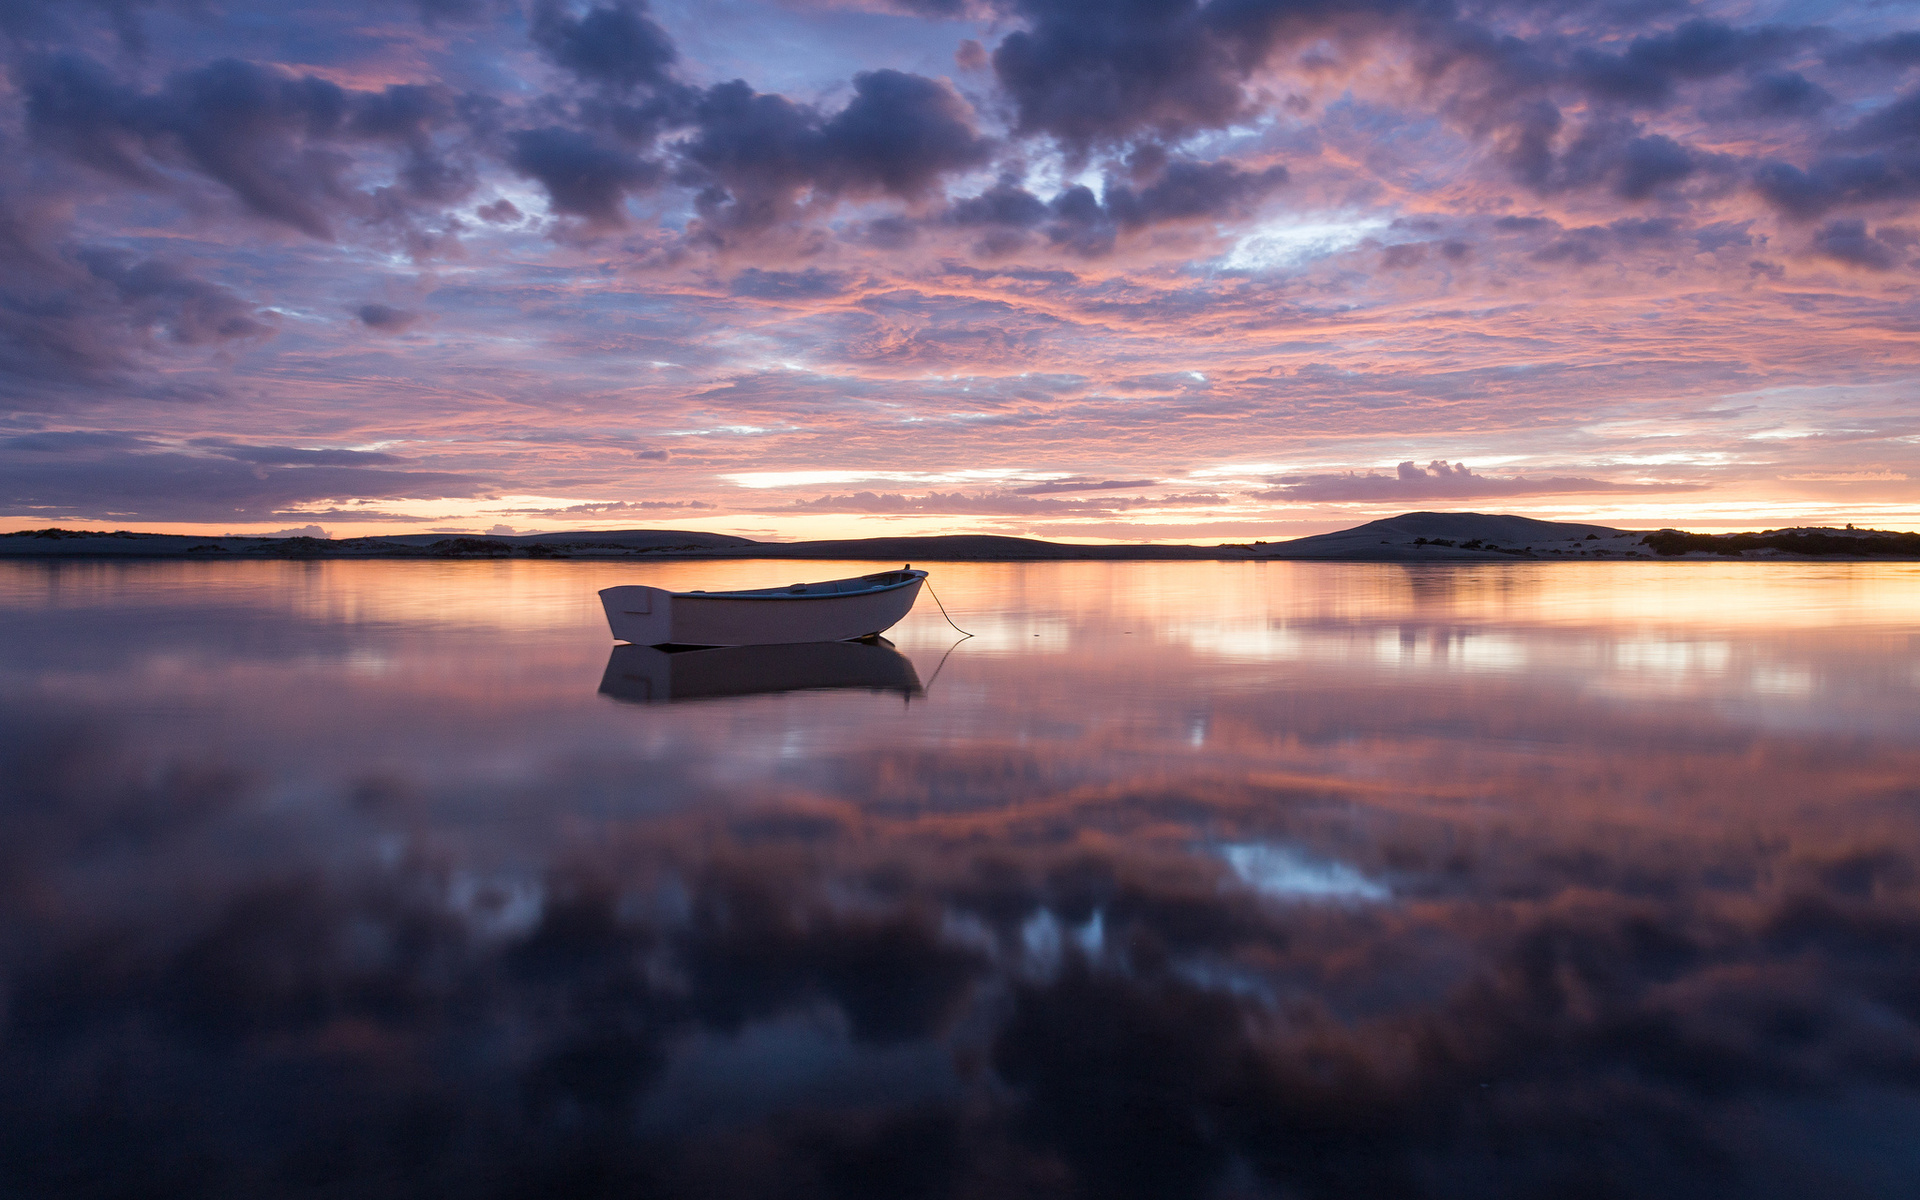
[837,610]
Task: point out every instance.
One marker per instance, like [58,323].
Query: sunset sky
[1149,270]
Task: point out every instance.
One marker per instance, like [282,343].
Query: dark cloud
[1097,74]
[616,45]
[1784,94]
[1107,76]
[278,143]
[1403,256]
[614,508]
[286,456]
[1893,50]
[890,233]
[812,283]
[1848,241]
[80,475]
[1087,224]
[970,55]
[1006,203]
[39,23]
[1722,234]
[583,176]
[1895,125]
[1081,485]
[452,12]
[385,318]
[1618,239]
[81,317]
[500,212]
[899,133]
[1645,229]
[1609,153]
[1080,223]
[1877,161]
[1835,181]
[757,154]
[1646,73]
[1649,163]
[1524,224]
[1020,502]
[159,298]
[1518,93]
[1187,190]
[1437,480]
[1582,247]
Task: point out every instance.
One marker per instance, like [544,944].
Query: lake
[1187,879]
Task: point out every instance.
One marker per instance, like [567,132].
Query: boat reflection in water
[652,675]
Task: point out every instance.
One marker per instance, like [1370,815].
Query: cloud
[615,45]
[1437,480]
[385,319]
[1784,94]
[1246,190]
[130,477]
[286,456]
[75,317]
[1081,485]
[810,284]
[1087,224]
[1848,241]
[611,508]
[1896,50]
[1847,476]
[1022,502]
[1875,160]
[1646,73]
[1403,256]
[158,297]
[756,154]
[1100,75]
[275,141]
[583,175]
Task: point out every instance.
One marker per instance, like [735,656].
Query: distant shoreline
[1410,537]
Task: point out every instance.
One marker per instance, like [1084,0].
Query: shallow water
[1176,879]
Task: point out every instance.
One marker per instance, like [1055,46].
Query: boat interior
[832,587]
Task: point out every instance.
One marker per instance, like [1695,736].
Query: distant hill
[626,543]
[1433,536]
[1407,538]
[980,547]
[63,543]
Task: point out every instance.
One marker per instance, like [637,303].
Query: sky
[1152,270]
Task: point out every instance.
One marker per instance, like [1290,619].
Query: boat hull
[648,616]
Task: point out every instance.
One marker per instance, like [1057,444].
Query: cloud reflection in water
[274,925]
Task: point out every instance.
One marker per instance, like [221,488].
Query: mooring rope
[943,608]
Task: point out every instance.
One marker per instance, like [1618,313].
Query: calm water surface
[1291,880]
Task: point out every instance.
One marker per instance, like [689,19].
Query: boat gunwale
[785,594]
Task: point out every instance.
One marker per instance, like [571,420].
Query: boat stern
[641,615]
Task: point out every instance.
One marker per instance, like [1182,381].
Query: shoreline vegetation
[1410,537]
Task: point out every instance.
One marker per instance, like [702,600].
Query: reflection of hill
[649,675]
